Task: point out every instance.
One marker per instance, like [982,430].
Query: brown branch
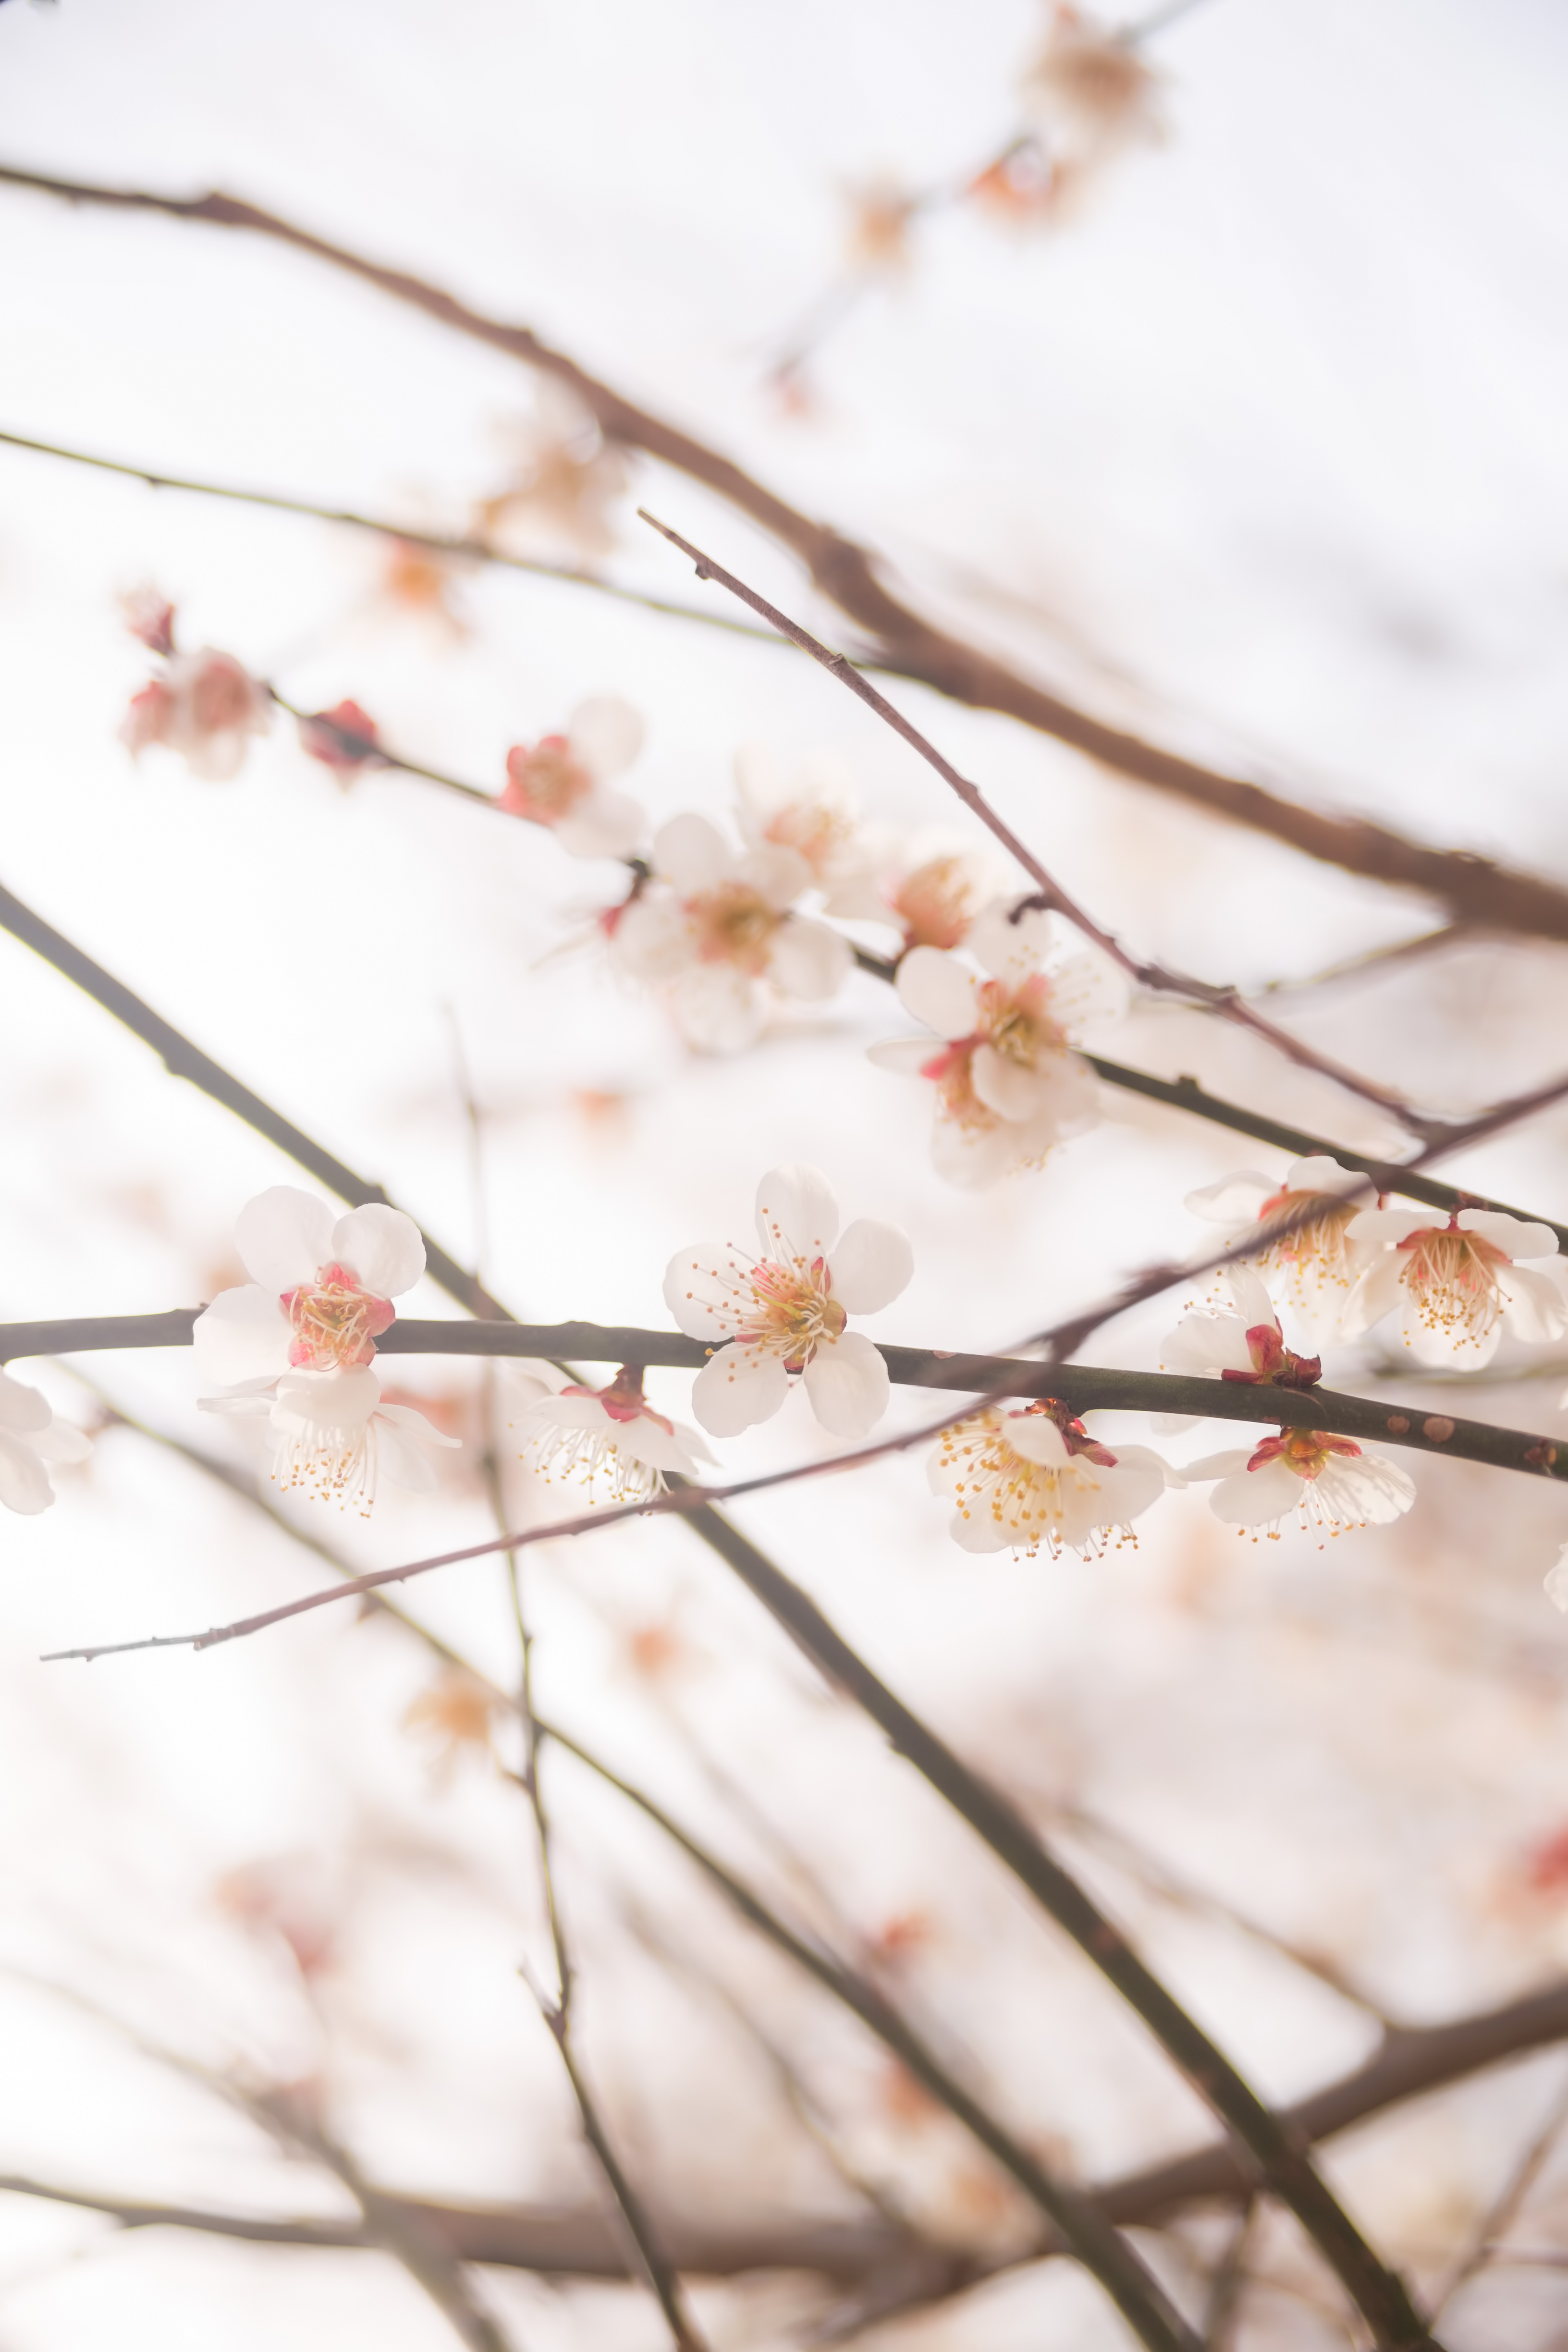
[1472,889]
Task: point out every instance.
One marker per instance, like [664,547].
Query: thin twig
[1225,2293]
[1505,2208]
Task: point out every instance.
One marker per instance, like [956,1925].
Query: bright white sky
[1266,456]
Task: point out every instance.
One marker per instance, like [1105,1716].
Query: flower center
[1306,1451]
[734,925]
[544,784]
[335,1321]
[220,697]
[1453,1276]
[1274,1365]
[1024,1497]
[934,903]
[792,1311]
[1314,1250]
[812,830]
[1016,1023]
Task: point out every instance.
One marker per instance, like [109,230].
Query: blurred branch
[1473,890]
[1505,2207]
[1376,959]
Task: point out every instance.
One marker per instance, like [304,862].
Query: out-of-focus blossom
[936,899]
[816,812]
[343,739]
[1008,1085]
[567,482]
[1313,1261]
[294,1897]
[722,932]
[1092,94]
[608,1437]
[1557,1583]
[206,706]
[563,781]
[333,1436]
[423,584]
[31,1436]
[1327,1483]
[881,213]
[1021,1479]
[321,1290]
[149,617]
[1020,188]
[1246,1346]
[785,1310]
[455,1714]
[1457,1286]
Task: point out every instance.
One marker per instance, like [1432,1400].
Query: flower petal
[1235,1199]
[23,1482]
[703,1287]
[1390,1227]
[907,1056]
[797,1212]
[1256,1496]
[1378,1294]
[978,1531]
[62,1441]
[602,825]
[1365,1487]
[692,854]
[1005,1087]
[871,1264]
[1537,1308]
[847,1381]
[738,1388]
[1010,949]
[284,1235]
[1035,1437]
[654,940]
[409,1417]
[383,1246]
[777,874]
[606,734]
[935,987]
[1513,1235]
[22,1409]
[718,1008]
[808,960]
[244,1335]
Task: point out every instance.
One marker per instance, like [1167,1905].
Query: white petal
[718,1008]
[1005,1087]
[566,1413]
[1365,1487]
[602,825]
[760,784]
[407,1417]
[871,1264]
[1203,1345]
[606,734]
[776,874]
[692,854]
[908,1055]
[21,1407]
[661,1449]
[1234,1201]
[654,940]
[244,1335]
[935,987]
[23,1482]
[797,1212]
[1557,1583]
[1536,1306]
[1256,1496]
[978,1532]
[62,1441]
[402,1460]
[1390,1227]
[740,1388]
[973,1156]
[1320,1174]
[1512,1236]
[1037,1438]
[847,1381]
[283,1236]
[703,1287]
[1007,949]
[381,1245]
[808,960]
[1217,1465]
[1378,1294]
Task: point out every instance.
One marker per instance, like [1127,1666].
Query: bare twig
[1505,2207]
[1474,889]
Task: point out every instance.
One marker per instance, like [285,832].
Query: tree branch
[1473,890]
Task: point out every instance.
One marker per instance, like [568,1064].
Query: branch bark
[1473,890]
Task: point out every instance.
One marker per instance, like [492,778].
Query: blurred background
[1253,448]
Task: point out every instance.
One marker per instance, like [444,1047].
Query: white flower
[1557,1583]
[817,814]
[32,1433]
[566,481]
[1008,1085]
[722,932]
[1091,92]
[1327,1481]
[1457,1287]
[332,1434]
[563,781]
[934,891]
[1035,1476]
[206,705]
[1246,1346]
[611,1434]
[321,1292]
[1314,1263]
[785,1311]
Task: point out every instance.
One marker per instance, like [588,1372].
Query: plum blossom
[1247,1345]
[344,739]
[935,894]
[722,933]
[1458,1286]
[321,1290]
[1008,1085]
[566,481]
[1313,1263]
[333,1436]
[206,705]
[1556,1586]
[149,617]
[1329,1482]
[816,813]
[563,781]
[611,1435]
[881,213]
[1035,1476]
[784,1310]
[1093,97]
[32,1434]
